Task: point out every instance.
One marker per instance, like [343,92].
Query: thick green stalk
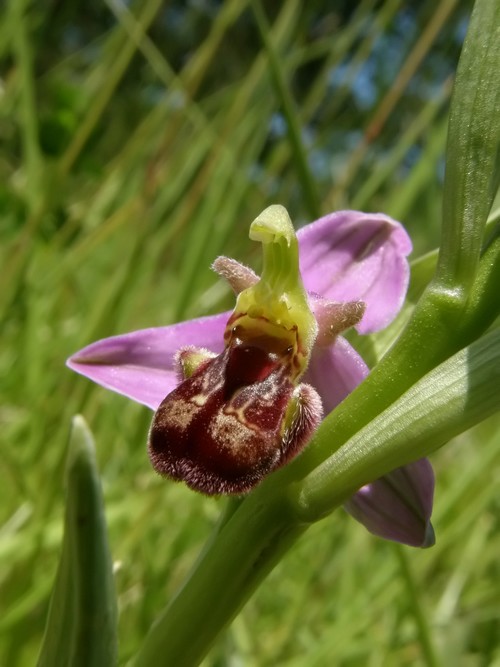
[233,564]
[458,394]
[455,396]
[442,325]
[375,422]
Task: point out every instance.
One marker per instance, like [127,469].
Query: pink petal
[140,364]
[398,506]
[350,256]
[335,371]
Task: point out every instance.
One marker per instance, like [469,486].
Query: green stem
[455,396]
[231,567]
[458,305]
[250,541]
[254,535]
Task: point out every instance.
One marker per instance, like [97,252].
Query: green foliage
[137,142]
[81,623]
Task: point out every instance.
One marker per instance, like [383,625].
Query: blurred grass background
[138,140]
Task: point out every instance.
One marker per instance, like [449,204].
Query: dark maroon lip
[228,425]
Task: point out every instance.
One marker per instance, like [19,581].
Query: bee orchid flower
[239,394]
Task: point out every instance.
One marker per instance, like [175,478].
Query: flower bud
[398,506]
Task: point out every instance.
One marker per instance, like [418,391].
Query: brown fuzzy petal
[234,419]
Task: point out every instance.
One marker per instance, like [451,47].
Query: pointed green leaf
[472,155]
[81,624]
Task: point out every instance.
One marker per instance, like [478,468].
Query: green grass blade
[81,625]
[473,150]
[288,106]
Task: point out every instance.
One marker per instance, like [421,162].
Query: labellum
[234,420]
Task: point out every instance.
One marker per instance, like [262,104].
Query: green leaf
[81,624]
[472,155]
[453,397]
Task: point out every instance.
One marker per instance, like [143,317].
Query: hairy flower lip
[142,365]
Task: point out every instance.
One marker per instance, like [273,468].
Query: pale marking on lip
[199,400]
[178,412]
[232,435]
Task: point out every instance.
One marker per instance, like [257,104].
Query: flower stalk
[452,398]
[254,538]
[263,527]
